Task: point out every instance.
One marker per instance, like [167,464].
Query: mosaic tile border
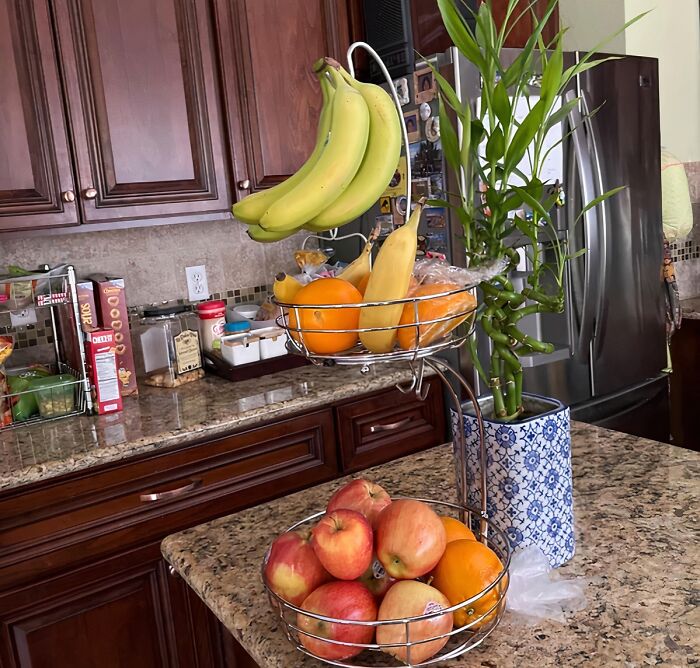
[684,250]
[41,333]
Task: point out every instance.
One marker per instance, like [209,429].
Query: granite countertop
[161,418]
[691,308]
[636,527]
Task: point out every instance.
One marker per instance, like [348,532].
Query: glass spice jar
[168,353]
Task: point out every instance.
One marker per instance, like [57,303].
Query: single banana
[379,164]
[336,167]
[389,280]
[285,288]
[360,267]
[257,233]
[251,208]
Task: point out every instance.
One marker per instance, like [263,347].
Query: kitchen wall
[153,259]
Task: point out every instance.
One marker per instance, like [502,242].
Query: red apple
[293,570]
[376,579]
[409,598]
[341,600]
[363,496]
[342,541]
[410,539]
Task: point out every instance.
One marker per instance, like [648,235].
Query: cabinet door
[144,106]
[125,611]
[35,167]
[273,98]
[384,426]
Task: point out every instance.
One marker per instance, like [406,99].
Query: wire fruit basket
[454,328]
[460,323]
[482,619]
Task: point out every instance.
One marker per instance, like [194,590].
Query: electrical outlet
[197,287]
[22,317]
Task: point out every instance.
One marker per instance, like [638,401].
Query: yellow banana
[251,208]
[379,164]
[257,233]
[389,280]
[335,168]
[285,288]
[360,267]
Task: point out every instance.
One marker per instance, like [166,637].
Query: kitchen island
[636,528]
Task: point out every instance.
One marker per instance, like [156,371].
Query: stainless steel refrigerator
[610,343]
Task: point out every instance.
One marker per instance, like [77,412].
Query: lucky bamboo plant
[497,200]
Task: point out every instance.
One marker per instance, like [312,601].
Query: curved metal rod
[404,132]
[440,366]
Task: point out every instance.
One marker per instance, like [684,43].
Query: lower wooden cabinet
[82,581]
[685,389]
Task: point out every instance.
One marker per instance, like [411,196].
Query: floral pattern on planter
[528,477]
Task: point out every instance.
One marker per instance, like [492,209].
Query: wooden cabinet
[36,183]
[685,389]
[272,96]
[381,427]
[144,107]
[82,583]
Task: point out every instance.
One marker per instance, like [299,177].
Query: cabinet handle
[89,193]
[376,428]
[171,493]
[244,184]
[68,196]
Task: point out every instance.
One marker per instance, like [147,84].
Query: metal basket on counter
[462,320]
[459,639]
[54,294]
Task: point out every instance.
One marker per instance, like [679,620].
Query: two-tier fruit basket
[481,618]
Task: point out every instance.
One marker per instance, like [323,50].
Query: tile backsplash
[152,260]
[685,253]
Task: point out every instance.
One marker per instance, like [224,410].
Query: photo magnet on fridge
[397,185]
[424,85]
[412,125]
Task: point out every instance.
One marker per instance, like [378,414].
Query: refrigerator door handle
[582,155]
[602,211]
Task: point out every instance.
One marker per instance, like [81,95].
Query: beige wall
[589,21]
[153,259]
[671,33]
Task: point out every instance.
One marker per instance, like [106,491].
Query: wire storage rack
[66,391]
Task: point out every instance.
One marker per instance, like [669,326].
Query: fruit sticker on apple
[342,541]
[363,496]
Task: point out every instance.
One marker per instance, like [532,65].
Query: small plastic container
[240,349]
[237,327]
[55,395]
[212,318]
[273,342]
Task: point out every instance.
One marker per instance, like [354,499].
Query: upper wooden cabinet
[141,91]
[36,183]
[273,99]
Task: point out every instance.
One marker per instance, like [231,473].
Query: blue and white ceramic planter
[528,475]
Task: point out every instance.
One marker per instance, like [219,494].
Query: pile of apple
[360,562]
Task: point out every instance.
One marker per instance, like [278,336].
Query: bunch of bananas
[358,143]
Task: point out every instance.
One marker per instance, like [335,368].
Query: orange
[327,291]
[466,568]
[455,529]
[432,309]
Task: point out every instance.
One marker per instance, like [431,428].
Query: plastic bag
[537,592]
[427,271]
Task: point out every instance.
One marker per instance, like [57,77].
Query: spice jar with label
[212,319]
[168,353]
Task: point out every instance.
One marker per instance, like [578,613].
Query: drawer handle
[171,493]
[376,428]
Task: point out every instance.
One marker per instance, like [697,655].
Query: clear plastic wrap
[538,592]
[427,271]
